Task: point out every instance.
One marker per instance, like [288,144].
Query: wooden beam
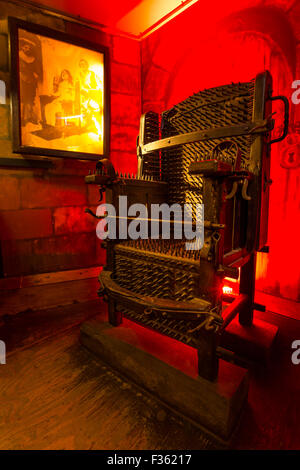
[48,278]
[232,310]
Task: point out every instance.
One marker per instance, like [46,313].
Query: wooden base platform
[167,369]
[252,343]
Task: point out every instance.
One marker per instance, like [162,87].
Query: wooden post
[114,317]
[208,363]
[247,286]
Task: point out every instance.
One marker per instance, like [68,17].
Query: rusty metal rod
[207,223]
[232,310]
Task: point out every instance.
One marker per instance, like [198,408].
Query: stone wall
[216,43]
[43,226]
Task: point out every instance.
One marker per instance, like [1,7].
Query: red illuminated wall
[43,226]
[215,43]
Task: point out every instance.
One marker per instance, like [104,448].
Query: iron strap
[257,127]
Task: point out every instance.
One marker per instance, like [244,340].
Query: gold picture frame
[59,87]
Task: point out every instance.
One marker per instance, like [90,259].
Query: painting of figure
[61,103]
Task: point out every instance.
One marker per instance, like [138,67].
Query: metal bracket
[286,117]
[257,127]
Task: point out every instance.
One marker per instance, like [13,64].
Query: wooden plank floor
[55,395]
[15,301]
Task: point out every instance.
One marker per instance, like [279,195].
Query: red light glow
[227,290]
[212,44]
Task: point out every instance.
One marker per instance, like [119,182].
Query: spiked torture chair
[213,148]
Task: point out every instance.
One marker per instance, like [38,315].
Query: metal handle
[286,117]
[88,211]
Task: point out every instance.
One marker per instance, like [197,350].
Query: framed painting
[60,93]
